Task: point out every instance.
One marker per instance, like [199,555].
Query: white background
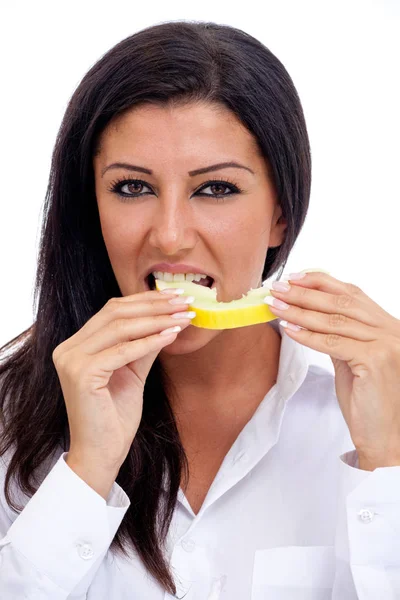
[343,57]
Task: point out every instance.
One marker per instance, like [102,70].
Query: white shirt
[289,516]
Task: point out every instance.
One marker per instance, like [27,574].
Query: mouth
[150,282]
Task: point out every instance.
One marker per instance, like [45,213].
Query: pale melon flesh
[211,314]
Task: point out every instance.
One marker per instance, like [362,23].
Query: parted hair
[172,63]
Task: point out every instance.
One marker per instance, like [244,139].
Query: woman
[200,464]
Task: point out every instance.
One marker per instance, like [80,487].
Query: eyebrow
[224,165]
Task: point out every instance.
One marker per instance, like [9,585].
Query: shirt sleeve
[60,537]
[367,542]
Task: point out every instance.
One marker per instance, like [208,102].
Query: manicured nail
[280,286]
[294,276]
[182,300]
[184,315]
[172,291]
[171,330]
[275,303]
[290,325]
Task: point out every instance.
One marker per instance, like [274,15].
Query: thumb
[141,366]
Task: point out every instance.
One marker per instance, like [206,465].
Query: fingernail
[184,315]
[293,276]
[172,291]
[184,300]
[275,303]
[171,330]
[290,325]
[280,286]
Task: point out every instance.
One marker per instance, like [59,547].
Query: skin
[221,376]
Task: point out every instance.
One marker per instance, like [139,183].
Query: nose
[172,226]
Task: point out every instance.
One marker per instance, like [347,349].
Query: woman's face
[174,217]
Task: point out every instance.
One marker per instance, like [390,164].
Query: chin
[190,339]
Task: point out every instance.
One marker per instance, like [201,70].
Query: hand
[103,369]
[363,342]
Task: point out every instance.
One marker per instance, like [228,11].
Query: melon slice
[211,314]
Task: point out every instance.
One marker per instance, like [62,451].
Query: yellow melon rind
[211,314]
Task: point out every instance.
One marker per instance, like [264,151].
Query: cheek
[119,234]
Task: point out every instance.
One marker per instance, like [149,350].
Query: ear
[278,228]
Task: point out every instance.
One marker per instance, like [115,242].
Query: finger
[120,331]
[335,346]
[331,285]
[121,355]
[326,283]
[117,309]
[335,305]
[328,324]
[148,294]
[319,280]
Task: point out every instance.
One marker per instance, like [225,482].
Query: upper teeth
[178,276]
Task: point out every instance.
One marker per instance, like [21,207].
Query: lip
[177,268]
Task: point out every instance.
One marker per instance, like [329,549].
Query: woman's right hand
[103,368]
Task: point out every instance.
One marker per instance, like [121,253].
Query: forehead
[190,132]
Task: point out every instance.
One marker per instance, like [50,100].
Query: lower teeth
[151,282]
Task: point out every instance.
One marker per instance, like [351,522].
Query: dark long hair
[169,63]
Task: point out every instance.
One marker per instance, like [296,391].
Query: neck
[229,376]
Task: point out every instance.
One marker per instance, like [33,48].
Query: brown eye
[217,189]
[216,186]
[131,189]
[131,186]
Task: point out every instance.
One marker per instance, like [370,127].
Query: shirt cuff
[368,523]
[67,526]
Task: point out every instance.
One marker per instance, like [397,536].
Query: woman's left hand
[363,342]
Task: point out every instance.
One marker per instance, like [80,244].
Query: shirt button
[366,515]
[188,545]
[85,551]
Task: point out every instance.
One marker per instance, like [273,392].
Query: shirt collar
[262,431]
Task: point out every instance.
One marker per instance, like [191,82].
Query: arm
[367,543]
[99,479]
[60,538]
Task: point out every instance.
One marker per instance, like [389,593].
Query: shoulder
[16,493]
